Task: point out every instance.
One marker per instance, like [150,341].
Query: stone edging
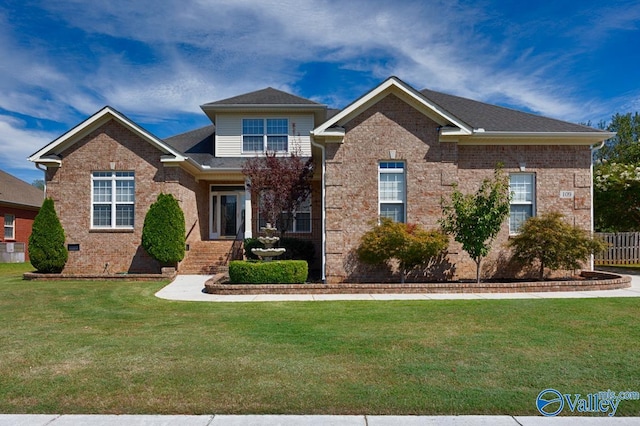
[592,281]
[34,276]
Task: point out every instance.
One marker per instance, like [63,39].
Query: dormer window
[255,139]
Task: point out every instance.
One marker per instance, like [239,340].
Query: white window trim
[403,201]
[113,178]
[265,135]
[531,203]
[12,227]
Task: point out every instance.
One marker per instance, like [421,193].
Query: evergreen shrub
[46,243]
[163,233]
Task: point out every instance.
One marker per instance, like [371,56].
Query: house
[394,152]
[19,205]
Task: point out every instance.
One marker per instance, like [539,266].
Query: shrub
[251,243]
[553,243]
[163,233]
[46,243]
[297,249]
[272,272]
[409,244]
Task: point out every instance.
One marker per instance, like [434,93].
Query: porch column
[247,211]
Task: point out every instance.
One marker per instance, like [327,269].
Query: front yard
[112,347]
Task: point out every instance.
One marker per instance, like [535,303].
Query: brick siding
[431,169]
[115,251]
[23,224]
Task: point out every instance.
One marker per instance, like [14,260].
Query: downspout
[324,216]
[593,151]
[44,172]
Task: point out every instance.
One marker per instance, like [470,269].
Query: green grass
[112,347]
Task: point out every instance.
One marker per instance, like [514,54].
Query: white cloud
[18,142]
[199,51]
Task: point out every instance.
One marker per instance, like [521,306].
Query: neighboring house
[19,205]
[394,152]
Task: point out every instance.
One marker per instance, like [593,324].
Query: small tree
[280,184]
[475,219]
[408,244]
[46,242]
[163,233]
[553,243]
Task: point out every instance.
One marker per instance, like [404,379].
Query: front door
[227,208]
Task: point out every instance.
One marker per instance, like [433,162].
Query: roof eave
[53,149]
[533,138]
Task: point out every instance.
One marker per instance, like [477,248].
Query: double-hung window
[113,200]
[391,190]
[522,188]
[9,227]
[260,134]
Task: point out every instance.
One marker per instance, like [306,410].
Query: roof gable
[18,192]
[267,100]
[466,120]
[393,85]
[268,96]
[50,154]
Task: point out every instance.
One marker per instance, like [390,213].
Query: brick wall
[114,251]
[431,169]
[23,223]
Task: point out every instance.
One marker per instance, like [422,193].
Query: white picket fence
[624,248]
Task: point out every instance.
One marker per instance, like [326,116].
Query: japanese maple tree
[281,183]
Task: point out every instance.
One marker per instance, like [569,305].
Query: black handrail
[237,246]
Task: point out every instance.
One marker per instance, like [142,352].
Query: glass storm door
[226,214]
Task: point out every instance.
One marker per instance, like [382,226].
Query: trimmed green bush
[251,243]
[554,243]
[272,272]
[46,243]
[297,249]
[163,233]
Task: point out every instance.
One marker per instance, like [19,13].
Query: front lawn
[112,347]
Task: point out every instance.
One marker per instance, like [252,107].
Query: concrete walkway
[273,420]
[189,288]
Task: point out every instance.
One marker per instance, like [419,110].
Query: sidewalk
[273,420]
[189,288]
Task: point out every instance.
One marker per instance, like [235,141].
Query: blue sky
[156,61]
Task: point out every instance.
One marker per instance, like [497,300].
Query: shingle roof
[268,96]
[18,192]
[198,145]
[499,119]
[196,141]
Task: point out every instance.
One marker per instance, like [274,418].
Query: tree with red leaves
[281,183]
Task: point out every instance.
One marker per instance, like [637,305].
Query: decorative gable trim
[50,154]
[332,131]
